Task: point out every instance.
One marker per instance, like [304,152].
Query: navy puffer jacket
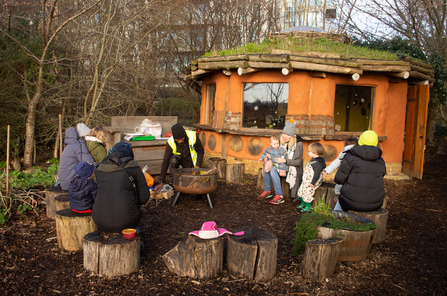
[75,151]
[82,193]
[361,173]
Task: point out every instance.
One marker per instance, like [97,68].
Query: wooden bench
[148,153]
[110,254]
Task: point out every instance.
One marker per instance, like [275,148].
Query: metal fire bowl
[186,182]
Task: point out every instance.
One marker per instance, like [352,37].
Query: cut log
[223,58]
[220,164]
[418,63]
[421,76]
[317,74]
[286,71]
[355,76]
[382,62]
[326,61]
[226,72]
[386,68]
[235,172]
[266,65]
[196,258]
[71,227]
[110,254]
[252,255]
[61,202]
[403,75]
[379,217]
[325,68]
[223,65]
[242,71]
[50,194]
[320,258]
[270,58]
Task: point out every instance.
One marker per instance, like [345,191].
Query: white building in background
[307,13]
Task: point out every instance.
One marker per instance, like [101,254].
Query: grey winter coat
[75,152]
[296,161]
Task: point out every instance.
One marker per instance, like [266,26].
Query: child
[83,188]
[272,171]
[312,177]
[272,152]
[350,142]
[95,143]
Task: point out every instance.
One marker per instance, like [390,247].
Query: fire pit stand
[194,181]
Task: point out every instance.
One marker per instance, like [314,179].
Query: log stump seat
[110,254]
[320,258]
[235,172]
[380,217]
[220,164]
[71,228]
[61,202]
[196,258]
[50,194]
[252,255]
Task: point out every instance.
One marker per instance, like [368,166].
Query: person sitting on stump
[121,189]
[83,188]
[184,149]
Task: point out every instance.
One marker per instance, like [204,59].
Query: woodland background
[93,59]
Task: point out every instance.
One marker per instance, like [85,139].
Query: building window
[353,105]
[265,105]
[210,95]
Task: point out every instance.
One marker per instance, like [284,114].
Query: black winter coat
[361,173]
[82,193]
[116,206]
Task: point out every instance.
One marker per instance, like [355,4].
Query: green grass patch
[346,51]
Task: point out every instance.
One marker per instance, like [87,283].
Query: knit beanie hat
[122,147]
[84,169]
[83,130]
[368,138]
[178,131]
[290,129]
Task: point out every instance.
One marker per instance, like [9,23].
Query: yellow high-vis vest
[192,137]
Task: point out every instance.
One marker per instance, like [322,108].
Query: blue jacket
[82,193]
[75,151]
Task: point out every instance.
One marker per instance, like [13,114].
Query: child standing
[83,188]
[272,171]
[312,177]
[350,142]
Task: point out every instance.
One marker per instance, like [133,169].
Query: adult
[121,188]
[96,141]
[83,130]
[361,174]
[184,149]
[293,144]
[75,152]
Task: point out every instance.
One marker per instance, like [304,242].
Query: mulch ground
[411,261]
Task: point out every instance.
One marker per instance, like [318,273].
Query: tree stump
[61,202]
[285,187]
[71,228]
[50,194]
[380,217]
[320,258]
[220,164]
[196,258]
[252,255]
[110,254]
[326,191]
[235,172]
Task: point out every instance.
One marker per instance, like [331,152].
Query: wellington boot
[307,207]
[302,205]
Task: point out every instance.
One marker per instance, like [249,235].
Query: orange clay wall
[309,95]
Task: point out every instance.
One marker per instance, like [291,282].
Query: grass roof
[296,45]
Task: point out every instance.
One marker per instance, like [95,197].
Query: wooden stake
[60,134]
[7,160]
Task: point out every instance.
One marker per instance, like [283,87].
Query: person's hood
[71,136]
[92,139]
[347,147]
[369,153]
[78,184]
[113,162]
[319,161]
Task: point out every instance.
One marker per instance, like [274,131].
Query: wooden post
[235,172]
[252,255]
[220,164]
[380,217]
[320,258]
[61,202]
[110,254]
[60,135]
[196,258]
[71,228]
[7,160]
[50,194]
